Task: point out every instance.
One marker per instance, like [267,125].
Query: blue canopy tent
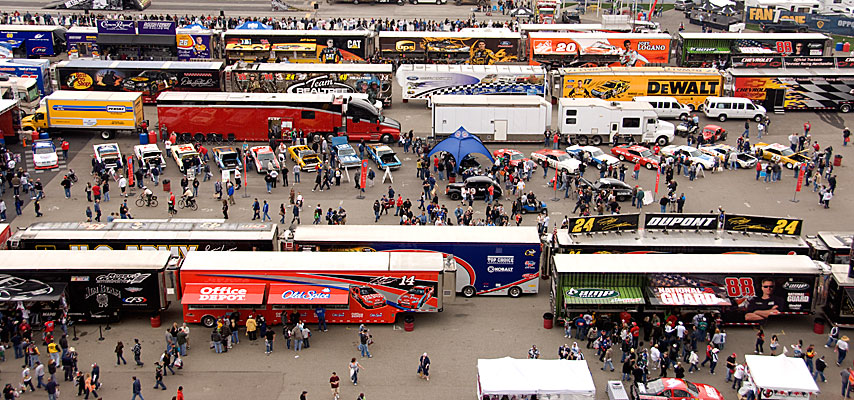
[460,144]
[196,26]
[253,25]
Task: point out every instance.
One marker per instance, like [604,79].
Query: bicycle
[142,202]
[193,205]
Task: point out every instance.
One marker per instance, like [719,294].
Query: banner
[156,28]
[703,222]
[116,27]
[631,52]
[363,176]
[801,171]
[480,51]
[603,223]
[809,62]
[751,223]
[743,298]
[833,24]
[192,46]
[756,62]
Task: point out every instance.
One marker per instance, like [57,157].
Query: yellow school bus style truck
[107,113]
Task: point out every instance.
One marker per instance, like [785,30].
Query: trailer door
[500,130]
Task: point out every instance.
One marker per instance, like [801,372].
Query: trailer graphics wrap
[792,92]
[37,69]
[348,48]
[313,83]
[688,86]
[574,49]
[192,45]
[423,81]
[474,50]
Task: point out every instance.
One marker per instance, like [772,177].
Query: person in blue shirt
[266,211]
[321,318]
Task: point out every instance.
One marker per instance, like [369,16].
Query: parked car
[595,156]
[185,155]
[778,152]
[44,154]
[675,389]
[636,153]
[713,133]
[149,154]
[721,151]
[263,156]
[705,161]
[227,158]
[480,184]
[383,156]
[783,25]
[557,159]
[514,157]
[622,190]
[304,156]
[345,152]
[108,154]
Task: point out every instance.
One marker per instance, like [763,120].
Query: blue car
[346,154]
[383,156]
[534,208]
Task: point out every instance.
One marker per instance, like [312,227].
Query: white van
[732,107]
[666,107]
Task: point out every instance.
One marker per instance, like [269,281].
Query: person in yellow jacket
[251,328]
[54,350]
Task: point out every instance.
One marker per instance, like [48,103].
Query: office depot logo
[221,293]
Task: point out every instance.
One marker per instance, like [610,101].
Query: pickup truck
[783,25]
[383,156]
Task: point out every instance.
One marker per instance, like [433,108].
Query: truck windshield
[31,95]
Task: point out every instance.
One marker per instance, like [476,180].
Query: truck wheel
[596,140]
[582,140]
[208,321]
[454,196]
[106,135]
[662,140]
[469,291]
[514,292]
[845,108]
[386,138]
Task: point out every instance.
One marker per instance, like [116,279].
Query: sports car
[149,154]
[721,151]
[13,288]
[185,155]
[515,157]
[304,156]
[705,161]
[227,158]
[675,389]
[610,89]
[383,156]
[597,157]
[345,152]
[778,152]
[713,133]
[44,154]
[263,157]
[108,154]
[622,191]
[635,153]
[416,297]
[150,82]
[367,296]
[557,159]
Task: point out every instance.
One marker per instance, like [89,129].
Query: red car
[514,156]
[676,389]
[713,133]
[367,296]
[416,297]
[635,153]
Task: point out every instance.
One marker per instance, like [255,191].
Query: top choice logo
[499,260]
[222,293]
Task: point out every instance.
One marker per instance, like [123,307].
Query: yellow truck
[107,113]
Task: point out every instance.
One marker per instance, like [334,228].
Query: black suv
[480,184]
[783,25]
[622,190]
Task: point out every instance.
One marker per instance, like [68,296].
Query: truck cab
[36,121]
[364,121]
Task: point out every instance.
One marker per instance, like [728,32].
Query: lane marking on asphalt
[747,204]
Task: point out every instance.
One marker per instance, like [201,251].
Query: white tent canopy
[780,373]
[553,379]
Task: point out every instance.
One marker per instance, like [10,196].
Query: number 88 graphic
[740,287]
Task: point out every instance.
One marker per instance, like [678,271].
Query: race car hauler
[248,116]
[104,112]
[493,118]
[489,262]
[596,121]
[353,287]
[93,287]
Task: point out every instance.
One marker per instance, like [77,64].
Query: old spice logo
[197,82]
[307,295]
[221,293]
[544,46]
[651,47]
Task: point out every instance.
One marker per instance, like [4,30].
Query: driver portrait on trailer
[629,57]
[767,304]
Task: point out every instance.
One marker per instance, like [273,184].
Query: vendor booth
[546,379]
[779,377]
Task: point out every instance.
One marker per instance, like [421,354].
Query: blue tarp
[460,144]
[253,25]
[196,26]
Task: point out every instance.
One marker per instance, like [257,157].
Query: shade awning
[39,292]
[114,38]
[602,295]
[687,296]
[306,294]
[223,293]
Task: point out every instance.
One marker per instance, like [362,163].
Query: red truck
[253,116]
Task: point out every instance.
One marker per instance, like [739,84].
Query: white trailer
[493,118]
[421,81]
[596,121]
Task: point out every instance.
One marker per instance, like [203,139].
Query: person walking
[158,376]
[265,209]
[256,210]
[225,209]
[120,348]
[27,379]
[137,352]
[269,337]
[424,367]
[334,381]
[841,349]
[364,338]
[136,386]
[820,366]
[355,367]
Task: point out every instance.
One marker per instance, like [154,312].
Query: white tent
[548,379]
[780,374]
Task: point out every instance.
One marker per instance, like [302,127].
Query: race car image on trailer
[420,81]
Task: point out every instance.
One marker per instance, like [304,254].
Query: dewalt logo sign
[683,87]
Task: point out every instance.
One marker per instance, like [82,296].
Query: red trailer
[352,287]
[10,120]
[253,116]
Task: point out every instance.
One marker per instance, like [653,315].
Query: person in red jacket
[636,170]
[64,146]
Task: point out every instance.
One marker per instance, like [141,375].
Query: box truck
[493,118]
[596,121]
[104,112]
